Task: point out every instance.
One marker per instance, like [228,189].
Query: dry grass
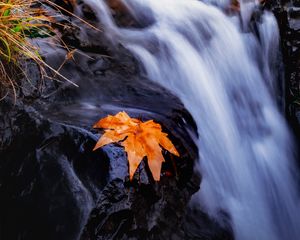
[21,20]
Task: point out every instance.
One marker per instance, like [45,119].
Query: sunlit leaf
[139,139]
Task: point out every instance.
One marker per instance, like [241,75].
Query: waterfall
[224,75]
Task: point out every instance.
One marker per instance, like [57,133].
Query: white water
[225,78]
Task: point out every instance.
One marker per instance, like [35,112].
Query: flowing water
[223,70]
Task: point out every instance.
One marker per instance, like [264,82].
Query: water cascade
[224,73]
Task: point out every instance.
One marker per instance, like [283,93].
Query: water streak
[224,75]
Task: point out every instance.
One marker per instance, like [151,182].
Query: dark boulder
[288,18]
[53,186]
[51,180]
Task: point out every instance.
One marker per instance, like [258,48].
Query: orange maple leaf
[139,139]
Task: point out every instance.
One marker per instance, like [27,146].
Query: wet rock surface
[41,193]
[288,18]
[50,179]
[53,186]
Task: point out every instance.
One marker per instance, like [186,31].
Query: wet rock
[51,182]
[53,186]
[144,211]
[197,225]
[67,6]
[288,18]
[41,193]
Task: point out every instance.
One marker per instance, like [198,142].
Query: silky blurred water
[225,74]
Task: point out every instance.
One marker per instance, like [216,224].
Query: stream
[223,68]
